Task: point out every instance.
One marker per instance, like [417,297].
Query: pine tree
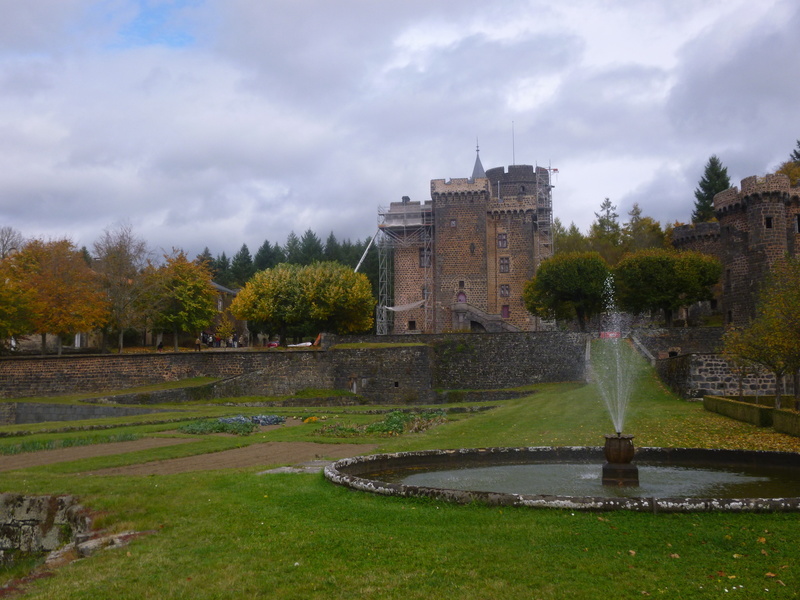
[332,249]
[222,270]
[265,257]
[242,266]
[715,179]
[311,249]
[795,155]
[291,250]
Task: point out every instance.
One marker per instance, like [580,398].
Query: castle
[756,227]
[460,261]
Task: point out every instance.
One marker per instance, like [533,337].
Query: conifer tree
[795,155]
[715,179]
[241,267]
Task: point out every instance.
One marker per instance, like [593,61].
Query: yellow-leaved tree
[325,296]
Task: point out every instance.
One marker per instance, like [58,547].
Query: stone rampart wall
[696,375]
[390,374]
[661,342]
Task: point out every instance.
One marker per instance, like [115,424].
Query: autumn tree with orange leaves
[62,292]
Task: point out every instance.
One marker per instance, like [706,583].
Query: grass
[234,534]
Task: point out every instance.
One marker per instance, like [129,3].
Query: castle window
[412,325]
[505,311]
[502,240]
[505,291]
[452,222]
[461,284]
[505,264]
[768,222]
[472,249]
[461,298]
[797,223]
[424,257]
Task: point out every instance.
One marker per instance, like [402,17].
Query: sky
[217,123]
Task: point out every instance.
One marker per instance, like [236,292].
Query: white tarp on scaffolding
[405,307]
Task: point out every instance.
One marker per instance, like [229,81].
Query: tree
[15,303]
[205,257]
[568,286]
[65,294]
[121,258]
[795,155]
[11,241]
[181,296]
[333,250]
[311,249]
[792,170]
[569,239]
[267,256]
[274,297]
[326,296]
[642,232]
[605,234]
[661,279]
[291,250]
[772,339]
[242,268]
[714,180]
[340,300]
[222,270]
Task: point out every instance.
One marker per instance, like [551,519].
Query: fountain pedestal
[618,470]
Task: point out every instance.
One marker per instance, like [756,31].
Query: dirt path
[266,454]
[49,457]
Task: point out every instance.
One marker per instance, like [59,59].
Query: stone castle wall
[759,226]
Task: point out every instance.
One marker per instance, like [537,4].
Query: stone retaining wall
[399,374]
[697,375]
[34,412]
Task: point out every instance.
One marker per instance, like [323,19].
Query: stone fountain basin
[364,473]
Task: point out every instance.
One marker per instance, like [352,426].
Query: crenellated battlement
[771,184]
[777,182]
[695,231]
[458,185]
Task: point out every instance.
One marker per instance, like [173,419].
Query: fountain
[671,479]
[611,370]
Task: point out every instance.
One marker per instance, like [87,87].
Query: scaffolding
[403,225]
[544,214]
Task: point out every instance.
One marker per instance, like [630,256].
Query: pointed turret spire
[477,170]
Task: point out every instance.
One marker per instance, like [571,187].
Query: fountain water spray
[612,360]
[612,370]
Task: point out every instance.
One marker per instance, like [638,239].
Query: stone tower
[759,226]
[461,261]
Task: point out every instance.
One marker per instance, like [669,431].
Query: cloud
[221,122]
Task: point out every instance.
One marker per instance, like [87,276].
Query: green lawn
[236,534]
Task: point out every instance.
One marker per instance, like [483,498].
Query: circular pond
[671,479]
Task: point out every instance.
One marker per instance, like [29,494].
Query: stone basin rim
[347,471]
